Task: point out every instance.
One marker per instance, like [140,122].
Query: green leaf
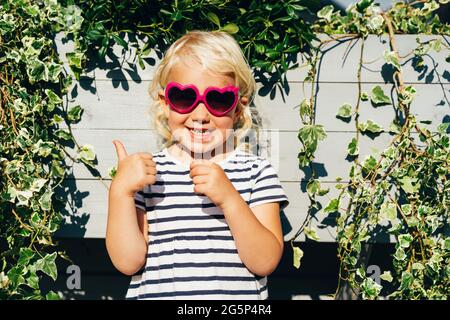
[447,244]
[15,276]
[74,114]
[405,240]
[386,276]
[310,135]
[46,200]
[443,127]
[378,97]
[37,71]
[369,163]
[120,41]
[38,184]
[345,111]
[231,28]
[362,5]
[298,254]
[400,254]
[388,210]
[406,96]
[352,148]
[370,288]
[391,58]
[48,265]
[74,59]
[370,126]
[52,296]
[395,127]
[326,12]
[418,266]
[406,281]
[63,134]
[86,153]
[260,48]
[332,206]
[33,281]
[311,233]
[376,22]
[26,254]
[213,18]
[313,187]
[409,184]
[112,171]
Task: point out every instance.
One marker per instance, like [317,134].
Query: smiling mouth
[200,133]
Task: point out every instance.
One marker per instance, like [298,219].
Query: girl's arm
[127,229]
[126,232]
[257,233]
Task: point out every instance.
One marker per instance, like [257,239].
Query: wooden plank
[126,105]
[338,64]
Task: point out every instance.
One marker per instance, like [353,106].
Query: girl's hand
[210,180]
[134,171]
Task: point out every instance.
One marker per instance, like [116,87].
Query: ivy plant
[402,192]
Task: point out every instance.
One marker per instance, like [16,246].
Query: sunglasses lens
[182,99]
[220,101]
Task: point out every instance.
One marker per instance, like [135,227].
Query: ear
[163,103]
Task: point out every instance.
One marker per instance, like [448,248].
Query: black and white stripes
[191,253]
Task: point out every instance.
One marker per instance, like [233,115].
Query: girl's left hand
[210,180]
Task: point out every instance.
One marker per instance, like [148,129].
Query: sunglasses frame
[201,97]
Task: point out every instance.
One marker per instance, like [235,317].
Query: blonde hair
[220,53]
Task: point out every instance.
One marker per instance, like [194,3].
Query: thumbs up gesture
[134,171]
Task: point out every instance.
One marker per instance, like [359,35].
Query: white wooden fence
[116,106]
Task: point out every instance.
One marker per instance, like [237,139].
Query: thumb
[120,150]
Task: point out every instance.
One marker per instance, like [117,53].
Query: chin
[198,147]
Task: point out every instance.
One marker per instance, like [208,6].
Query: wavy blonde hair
[218,52]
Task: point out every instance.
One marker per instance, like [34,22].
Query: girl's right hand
[134,171]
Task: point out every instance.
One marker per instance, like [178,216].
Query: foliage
[269,32]
[32,86]
[406,186]
[403,192]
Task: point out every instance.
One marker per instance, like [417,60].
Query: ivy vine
[403,191]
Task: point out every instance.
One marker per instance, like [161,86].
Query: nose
[200,113]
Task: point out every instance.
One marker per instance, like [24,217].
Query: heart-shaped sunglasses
[184,98]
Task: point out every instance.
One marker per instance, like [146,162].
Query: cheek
[176,120]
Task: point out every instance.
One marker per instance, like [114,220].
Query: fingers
[198,171]
[149,163]
[150,170]
[120,150]
[200,179]
[145,155]
[200,162]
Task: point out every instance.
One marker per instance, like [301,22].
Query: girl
[201,218]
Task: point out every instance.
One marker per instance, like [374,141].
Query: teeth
[199,131]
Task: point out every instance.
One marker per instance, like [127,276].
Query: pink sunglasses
[218,101]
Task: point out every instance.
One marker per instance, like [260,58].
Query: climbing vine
[402,191]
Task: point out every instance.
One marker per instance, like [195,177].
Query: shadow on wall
[99,280]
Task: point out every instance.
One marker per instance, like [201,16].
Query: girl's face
[219,129]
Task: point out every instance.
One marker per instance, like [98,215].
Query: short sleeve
[267,187]
[139,200]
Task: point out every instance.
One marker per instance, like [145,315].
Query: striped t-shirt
[191,252]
